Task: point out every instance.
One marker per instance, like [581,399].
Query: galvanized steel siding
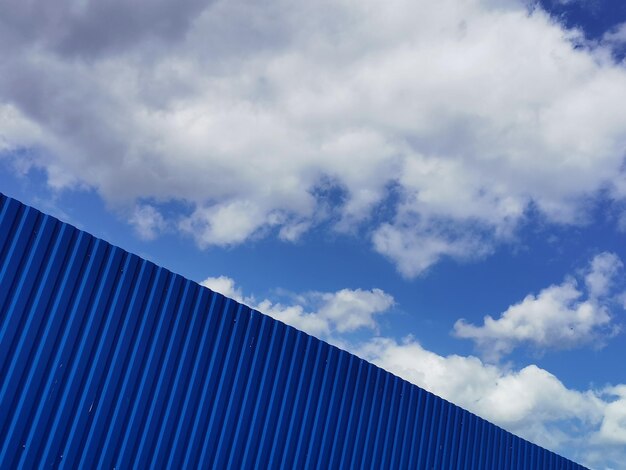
[109,361]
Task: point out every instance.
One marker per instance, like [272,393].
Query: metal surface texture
[109,361]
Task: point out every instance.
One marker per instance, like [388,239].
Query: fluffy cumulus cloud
[226,286]
[321,314]
[529,401]
[614,425]
[251,114]
[560,316]
[586,425]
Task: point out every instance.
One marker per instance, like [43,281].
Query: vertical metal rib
[109,361]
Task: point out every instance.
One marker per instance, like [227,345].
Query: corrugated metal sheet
[109,361]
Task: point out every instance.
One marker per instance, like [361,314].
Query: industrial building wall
[109,361]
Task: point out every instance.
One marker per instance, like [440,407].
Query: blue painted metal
[109,361]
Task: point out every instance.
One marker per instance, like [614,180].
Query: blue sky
[383,175]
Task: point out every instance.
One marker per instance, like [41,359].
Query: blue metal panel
[109,361]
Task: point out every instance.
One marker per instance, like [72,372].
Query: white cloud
[588,426]
[613,427]
[16,129]
[517,399]
[560,316]
[296,316]
[416,246]
[616,36]
[225,286]
[555,318]
[225,224]
[353,309]
[148,221]
[602,272]
[471,111]
[320,314]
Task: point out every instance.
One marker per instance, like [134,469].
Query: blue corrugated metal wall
[109,361]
